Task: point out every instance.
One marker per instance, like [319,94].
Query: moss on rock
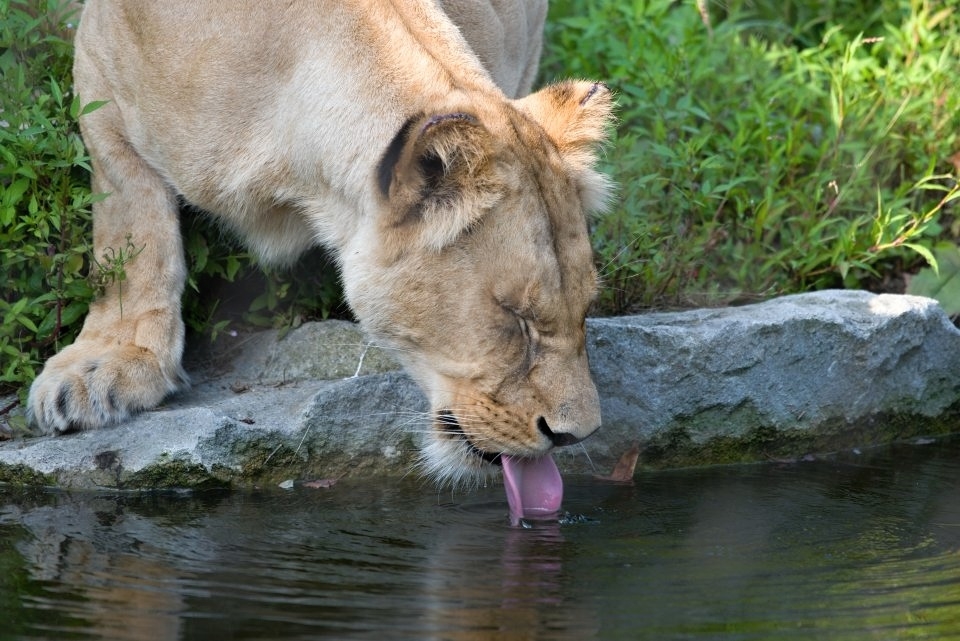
[174,474]
[679,447]
[23,476]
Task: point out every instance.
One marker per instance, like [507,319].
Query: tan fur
[456,214]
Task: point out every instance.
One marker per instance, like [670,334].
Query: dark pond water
[857,547]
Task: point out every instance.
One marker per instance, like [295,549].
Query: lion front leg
[127,356]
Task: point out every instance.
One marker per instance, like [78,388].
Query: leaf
[25,170]
[47,324]
[625,467]
[75,107]
[72,312]
[26,322]
[926,253]
[91,106]
[942,284]
[16,190]
[320,483]
[56,91]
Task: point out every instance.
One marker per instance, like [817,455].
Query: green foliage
[766,147]
[226,284]
[45,216]
[44,196]
[942,279]
[111,268]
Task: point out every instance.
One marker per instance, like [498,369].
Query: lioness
[456,214]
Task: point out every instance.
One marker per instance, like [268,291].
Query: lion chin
[453,462]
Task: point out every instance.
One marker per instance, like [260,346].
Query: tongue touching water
[533,486]
[858,546]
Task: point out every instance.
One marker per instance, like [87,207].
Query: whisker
[586,453]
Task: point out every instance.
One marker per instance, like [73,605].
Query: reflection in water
[860,547]
[502,583]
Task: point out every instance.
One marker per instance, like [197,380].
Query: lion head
[479,271]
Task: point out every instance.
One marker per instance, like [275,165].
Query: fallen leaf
[321,483]
[625,467]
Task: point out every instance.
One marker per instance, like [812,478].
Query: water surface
[859,546]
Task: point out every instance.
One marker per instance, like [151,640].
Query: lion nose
[558,439]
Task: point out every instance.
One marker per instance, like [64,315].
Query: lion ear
[432,176]
[577,116]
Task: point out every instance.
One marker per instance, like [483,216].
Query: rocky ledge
[792,377]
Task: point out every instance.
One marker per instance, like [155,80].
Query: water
[857,547]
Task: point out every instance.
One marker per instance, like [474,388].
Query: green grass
[767,147]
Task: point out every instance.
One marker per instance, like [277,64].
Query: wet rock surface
[795,376]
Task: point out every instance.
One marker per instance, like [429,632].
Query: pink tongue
[534,487]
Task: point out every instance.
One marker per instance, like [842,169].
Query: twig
[8,408]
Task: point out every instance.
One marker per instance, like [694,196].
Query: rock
[811,372]
[781,379]
[330,350]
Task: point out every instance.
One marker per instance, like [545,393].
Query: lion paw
[87,386]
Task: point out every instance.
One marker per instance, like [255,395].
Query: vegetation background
[764,147]
[767,147]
